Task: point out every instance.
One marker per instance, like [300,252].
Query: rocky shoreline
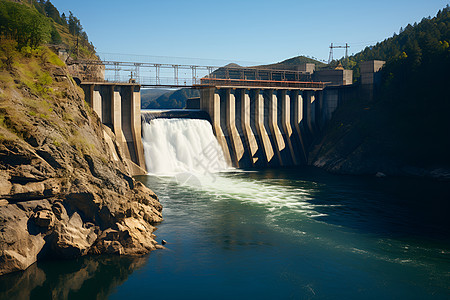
[65,190]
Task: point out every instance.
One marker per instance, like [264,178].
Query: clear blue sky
[243,30]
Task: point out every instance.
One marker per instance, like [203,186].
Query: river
[288,233]
[285,233]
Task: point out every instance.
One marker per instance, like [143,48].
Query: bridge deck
[260,84]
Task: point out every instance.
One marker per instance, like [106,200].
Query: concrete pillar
[249,136]
[106,105]
[308,98]
[136,125]
[119,108]
[285,114]
[258,100]
[88,90]
[96,103]
[277,137]
[210,102]
[297,119]
[319,111]
[237,148]
[116,117]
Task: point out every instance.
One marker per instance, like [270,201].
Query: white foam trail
[188,152]
[174,146]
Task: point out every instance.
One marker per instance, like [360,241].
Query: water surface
[300,234]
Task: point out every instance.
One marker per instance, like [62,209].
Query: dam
[255,126]
[258,122]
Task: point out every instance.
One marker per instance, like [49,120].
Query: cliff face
[64,189]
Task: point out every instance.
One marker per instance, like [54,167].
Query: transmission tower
[330,58]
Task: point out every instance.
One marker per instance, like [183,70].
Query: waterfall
[174,146]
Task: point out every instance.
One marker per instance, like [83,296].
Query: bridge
[166,75]
[260,117]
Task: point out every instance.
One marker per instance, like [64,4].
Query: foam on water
[187,151]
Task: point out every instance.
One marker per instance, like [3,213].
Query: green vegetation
[408,120]
[23,24]
[416,45]
[32,25]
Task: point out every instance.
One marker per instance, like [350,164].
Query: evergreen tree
[52,12]
[75,27]
[23,24]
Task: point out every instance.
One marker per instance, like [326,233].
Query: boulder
[20,243]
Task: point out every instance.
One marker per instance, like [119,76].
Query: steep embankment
[405,130]
[64,190]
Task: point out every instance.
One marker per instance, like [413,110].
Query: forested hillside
[417,44]
[406,128]
[39,23]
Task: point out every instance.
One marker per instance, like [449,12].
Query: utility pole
[330,57]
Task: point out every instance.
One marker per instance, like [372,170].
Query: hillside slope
[405,130]
[294,62]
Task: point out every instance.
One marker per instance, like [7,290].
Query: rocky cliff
[64,189]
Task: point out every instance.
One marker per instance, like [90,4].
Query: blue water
[300,234]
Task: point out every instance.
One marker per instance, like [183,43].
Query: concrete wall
[258,128]
[369,71]
[334,77]
[118,106]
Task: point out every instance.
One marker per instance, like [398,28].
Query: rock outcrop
[63,192]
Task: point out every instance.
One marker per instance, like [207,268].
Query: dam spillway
[174,146]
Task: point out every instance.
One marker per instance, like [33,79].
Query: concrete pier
[249,135]
[237,147]
[259,127]
[210,102]
[284,106]
[277,138]
[296,121]
[118,105]
[259,116]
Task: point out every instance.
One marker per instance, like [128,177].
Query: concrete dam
[254,127]
[257,123]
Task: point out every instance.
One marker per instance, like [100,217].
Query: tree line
[414,45]
[31,25]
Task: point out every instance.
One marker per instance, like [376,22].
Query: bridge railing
[215,82]
[173,75]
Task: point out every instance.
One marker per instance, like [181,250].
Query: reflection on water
[92,277]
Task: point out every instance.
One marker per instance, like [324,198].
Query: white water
[177,146]
[188,152]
